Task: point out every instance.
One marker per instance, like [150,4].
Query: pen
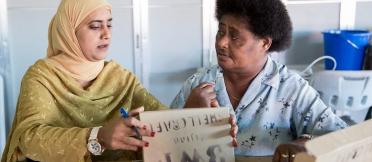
[125,115]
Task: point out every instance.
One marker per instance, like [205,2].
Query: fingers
[131,141]
[234,131]
[215,103]
[136,111]
[205,84]
[201,96]
[142,128]
[146,132]
[133,122]
[286,152]
[232,119]
[276,157]
[235,142]
[206,87]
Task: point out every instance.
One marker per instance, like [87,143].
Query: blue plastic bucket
[347,47]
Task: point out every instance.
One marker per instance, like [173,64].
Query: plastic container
[347,47]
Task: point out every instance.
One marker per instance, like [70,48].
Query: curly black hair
[264,18]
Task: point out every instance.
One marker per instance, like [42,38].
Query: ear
[266,43]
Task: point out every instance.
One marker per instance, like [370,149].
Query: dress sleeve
[312,116]
[35,134]
[144,98]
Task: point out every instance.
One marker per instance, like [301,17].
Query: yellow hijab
[64,51]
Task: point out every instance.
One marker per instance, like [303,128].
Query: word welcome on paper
[189,135]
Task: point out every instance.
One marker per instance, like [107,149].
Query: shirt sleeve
[311,115]
[35,134]
[181,97]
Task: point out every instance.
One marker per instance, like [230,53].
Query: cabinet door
[175,42]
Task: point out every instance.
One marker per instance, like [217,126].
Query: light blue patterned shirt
[277,107]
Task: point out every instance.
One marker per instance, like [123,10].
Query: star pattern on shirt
[340,125]
[306,116]
[322,119]
[249,142]
[273,131]
[192,77]
[262,106]
[286,104]
[282,80]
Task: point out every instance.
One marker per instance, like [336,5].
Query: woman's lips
[222,54]
[104,46]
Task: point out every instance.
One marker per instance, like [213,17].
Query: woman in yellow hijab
[68,107]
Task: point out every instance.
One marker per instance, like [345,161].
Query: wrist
[100,138]
[93,145]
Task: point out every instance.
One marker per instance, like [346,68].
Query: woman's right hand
[119,134]
[202,96]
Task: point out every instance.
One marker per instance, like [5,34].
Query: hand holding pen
[121,133]
[125,115]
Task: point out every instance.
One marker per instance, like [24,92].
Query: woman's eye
[94,27]
[234,36]
[220,33]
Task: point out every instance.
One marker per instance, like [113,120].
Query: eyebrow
[220,24]
[230,28]
[100,21]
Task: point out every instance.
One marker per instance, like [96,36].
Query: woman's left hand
[287,152]
[234,130]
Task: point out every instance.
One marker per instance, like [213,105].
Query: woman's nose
[222,42]
[106,33]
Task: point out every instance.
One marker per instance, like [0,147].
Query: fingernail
[152,134]
[146,144]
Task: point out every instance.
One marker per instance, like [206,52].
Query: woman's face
[94,34]
[237,48]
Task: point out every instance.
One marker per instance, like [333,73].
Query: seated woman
[67,97]
[272,105]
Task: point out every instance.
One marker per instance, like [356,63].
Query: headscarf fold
[64,50]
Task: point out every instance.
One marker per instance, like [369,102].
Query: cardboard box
[352,144]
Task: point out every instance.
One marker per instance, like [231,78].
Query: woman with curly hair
[273,106]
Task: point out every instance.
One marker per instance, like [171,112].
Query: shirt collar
[270,75]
